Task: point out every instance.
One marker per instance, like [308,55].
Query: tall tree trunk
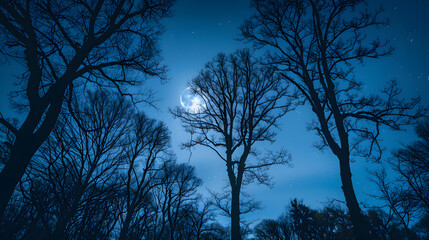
[14,169]
[125,227]
[28,139]
[359,221]
[235,214]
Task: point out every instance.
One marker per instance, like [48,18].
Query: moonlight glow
[191,102]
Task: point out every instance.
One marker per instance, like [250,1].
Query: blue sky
[202,28]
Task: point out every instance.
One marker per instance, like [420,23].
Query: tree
[395,199]
[302,220]
[315,45]
[217,232]
[146,150]
[67,44]
[200,218]
[269,229]
[308,223]
[331,223]
[411,163]
[407,194]
[385,225]
[74,179]
[174,200]
[107,172]
[241,103]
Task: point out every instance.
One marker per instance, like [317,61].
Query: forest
[81,156]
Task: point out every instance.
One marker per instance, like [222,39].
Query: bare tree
[406,196]
[302,222]
[411,163]
[269,229]
[173,200]
[201,217]
[241,102]
[21,221]
[222,202]
[316,45]
[147,148]
[64,44]
[217,232]
[385,225]
[394,198]
[74,181]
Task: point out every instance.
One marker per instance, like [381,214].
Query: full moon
[191,102]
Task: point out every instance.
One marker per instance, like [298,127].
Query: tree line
[85,163]
[107,172]
[333,222]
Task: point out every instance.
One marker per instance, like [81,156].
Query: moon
[191,102]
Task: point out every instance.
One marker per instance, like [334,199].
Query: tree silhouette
[407,195]
[174,199]
[307,223]
[200,218]
[107,172]
[242,101]
[315,45]
[67,44]
[279,229]
[332,222]
[78,170]
[412,165]
[147,149]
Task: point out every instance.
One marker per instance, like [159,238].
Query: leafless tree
[202,218]
[241,102]
[222,203]
[269,229]
[406,196]
[302,222]
[147,148]
[316,45]
[67,44]
[74,179]
[21,221]
[395,200]
[217,232]
[198,220]
[411,163]
[195,221]
[385,225]
[173,200]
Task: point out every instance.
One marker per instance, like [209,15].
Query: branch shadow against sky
[195,33]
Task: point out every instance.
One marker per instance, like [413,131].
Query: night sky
[202,28]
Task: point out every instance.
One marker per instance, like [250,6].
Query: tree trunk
[66,215]
[125,227]
[60,228]
[14,169]
[27,141]
[359,221]
[235,214]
